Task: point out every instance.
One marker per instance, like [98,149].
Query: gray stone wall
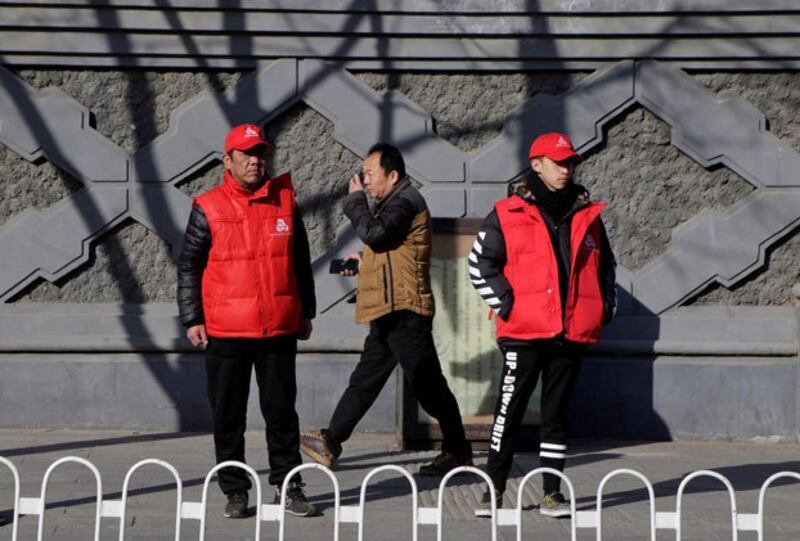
[650,185]
[130,107]
[469,109]
[25,185]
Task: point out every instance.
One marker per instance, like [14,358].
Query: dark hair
[391,159]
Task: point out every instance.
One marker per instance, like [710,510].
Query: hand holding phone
[356,183]
[348,267]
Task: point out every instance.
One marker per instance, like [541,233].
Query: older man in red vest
[246,294]
[543,264]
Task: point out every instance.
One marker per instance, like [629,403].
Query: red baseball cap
[555,146]
[244,137]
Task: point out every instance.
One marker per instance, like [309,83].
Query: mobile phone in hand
[339,265]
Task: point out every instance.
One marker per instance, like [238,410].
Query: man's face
[246,166]
[377,182]
[555,175]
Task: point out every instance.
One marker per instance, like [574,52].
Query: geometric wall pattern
[723,247]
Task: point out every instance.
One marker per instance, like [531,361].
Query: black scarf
[556,203]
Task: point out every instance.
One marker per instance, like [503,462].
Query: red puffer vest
[249,287]
[532,272]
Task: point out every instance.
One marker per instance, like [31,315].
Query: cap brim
[561,154]
[247,145]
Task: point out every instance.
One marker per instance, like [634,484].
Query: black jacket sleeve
[608,276]
[389,226]
[191,264]
[302,269]
[486,262]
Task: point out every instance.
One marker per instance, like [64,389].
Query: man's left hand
[305,329]
[355,185]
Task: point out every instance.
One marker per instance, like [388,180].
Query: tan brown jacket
[395,265]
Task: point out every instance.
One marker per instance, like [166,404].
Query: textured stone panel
[320,166]
[470,109]
[775,95]
[581,112]
[651,186]
[716,129]
[725,247]
[362,117]
[52,124]
[132,107]
[202,180]
[130,265]
[24,185]
[771,285]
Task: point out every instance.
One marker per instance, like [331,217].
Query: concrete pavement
[152,502]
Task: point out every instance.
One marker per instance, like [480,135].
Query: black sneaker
[296,502]
[485,509]
[554,505]
[443,463]
[237,505]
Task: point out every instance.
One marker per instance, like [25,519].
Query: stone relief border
[723,247]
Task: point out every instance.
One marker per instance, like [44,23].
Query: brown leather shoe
[316,447]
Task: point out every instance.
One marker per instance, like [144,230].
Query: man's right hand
[197,335]
[357,257]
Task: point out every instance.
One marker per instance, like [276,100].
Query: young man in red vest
[246,294]
[543,263]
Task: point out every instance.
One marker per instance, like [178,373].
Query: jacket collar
[235,190]
[523,198]
[396,189]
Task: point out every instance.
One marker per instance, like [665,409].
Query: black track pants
[403,337]
[559,365]
[229,363]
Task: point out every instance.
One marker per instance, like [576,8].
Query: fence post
[650,493]
[124,502]
[763,493]
[570,489]
[440,499]
[15,512]
[256,484]
[336,497]
[731,493]
[98,486]
[363,498]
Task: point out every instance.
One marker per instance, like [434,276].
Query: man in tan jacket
[394,297]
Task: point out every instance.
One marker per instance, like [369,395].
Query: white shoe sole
[309,513]
[483,513]
[555,513]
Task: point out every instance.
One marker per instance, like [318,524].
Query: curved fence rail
[433,516]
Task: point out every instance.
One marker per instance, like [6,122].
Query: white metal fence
[186,510]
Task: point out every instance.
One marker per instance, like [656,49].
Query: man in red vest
[246,294]
[543,264]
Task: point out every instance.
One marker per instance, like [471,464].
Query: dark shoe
[315,445]
[554,505]
[485,509]
[443,463]
[237,505]
[296,502]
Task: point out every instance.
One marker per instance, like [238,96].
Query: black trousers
[229,363]
[403,337]
[559,364]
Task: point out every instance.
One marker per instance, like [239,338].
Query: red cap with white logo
[555,146]
[244,137]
